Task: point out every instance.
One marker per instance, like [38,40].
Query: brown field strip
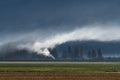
[58,76]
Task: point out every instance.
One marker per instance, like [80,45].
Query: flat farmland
[59,71]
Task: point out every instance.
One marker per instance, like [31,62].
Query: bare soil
[58,76]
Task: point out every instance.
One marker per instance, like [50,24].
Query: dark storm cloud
[26,15]
[23,17]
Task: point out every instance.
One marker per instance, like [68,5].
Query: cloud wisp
[96,33]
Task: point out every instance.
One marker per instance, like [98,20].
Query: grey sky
[54,16]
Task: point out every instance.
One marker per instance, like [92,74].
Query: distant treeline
[77,52]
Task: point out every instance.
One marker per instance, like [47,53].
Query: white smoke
[39,48]
[87,33]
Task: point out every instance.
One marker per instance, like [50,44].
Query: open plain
[59,71]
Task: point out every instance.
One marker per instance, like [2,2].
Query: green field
[59,67]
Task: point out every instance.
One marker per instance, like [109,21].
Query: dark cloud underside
[25,15]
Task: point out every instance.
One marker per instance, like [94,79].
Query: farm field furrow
[58,76]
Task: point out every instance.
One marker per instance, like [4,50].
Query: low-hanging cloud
[87,33]
[96,32]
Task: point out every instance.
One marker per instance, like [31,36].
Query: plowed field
[58,76]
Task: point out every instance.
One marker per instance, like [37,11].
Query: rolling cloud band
[83,34]
[93,32]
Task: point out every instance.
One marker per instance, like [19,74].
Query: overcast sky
[21,18]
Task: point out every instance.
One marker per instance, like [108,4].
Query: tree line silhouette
[77,52]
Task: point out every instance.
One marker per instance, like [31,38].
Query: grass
[59,67]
